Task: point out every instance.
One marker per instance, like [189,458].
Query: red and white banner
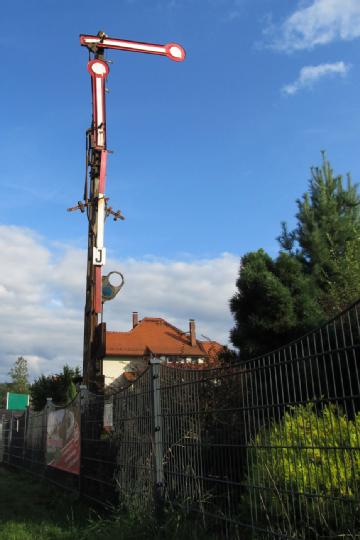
[63,438]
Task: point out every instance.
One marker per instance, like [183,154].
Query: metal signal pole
[95,202]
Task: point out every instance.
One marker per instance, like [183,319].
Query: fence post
[11,428]
[48,407]
[1,438]
[158,433]
[10,437]
[84,397]
[26,415]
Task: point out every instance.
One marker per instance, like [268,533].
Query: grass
[33,509]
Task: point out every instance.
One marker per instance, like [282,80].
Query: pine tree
[327,237]
[275,303]
[315,275]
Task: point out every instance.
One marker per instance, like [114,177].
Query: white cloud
[42,296]
[323,21]
[311,74]
[234,10]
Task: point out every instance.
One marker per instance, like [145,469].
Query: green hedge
[304,474]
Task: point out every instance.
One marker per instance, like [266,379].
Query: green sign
[16,402]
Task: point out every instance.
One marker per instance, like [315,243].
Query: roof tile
[159,337]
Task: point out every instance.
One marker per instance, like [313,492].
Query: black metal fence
[263,450]
[23,440]
[23,444]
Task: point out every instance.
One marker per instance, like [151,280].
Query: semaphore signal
[95,203]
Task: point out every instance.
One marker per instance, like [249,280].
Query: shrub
[60,387]
[304,473]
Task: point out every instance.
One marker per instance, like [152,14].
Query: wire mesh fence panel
[181,434]
[270,449]
[134,435]
[303,474]
[2,437]
[6,436]
[35,442]
[98,451]
[204,443]
[117,458]
[17,439]
[62,443]
[23,440]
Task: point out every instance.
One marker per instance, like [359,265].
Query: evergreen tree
[327,237]
[275,303]
[20,376]
[4,389]
[60,387]
[316,274]
[343,287]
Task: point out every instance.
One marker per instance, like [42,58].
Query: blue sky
[209,155]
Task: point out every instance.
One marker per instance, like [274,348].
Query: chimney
[135,318]
[192,332]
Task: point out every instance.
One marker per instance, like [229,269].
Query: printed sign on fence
[108,416]
[63,438]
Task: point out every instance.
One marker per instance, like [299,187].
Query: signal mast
[95,204]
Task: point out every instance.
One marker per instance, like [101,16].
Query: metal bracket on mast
[82,205]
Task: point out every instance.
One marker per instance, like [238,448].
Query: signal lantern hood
[174,51]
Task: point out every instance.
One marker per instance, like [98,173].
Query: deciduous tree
[19,374]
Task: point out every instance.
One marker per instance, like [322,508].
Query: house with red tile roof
[127,354]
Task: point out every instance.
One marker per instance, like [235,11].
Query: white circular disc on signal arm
[98,68]
[174,51]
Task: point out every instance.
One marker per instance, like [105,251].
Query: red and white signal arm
[174,51]
[99,70]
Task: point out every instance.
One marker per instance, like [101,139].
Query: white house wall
[114,367]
